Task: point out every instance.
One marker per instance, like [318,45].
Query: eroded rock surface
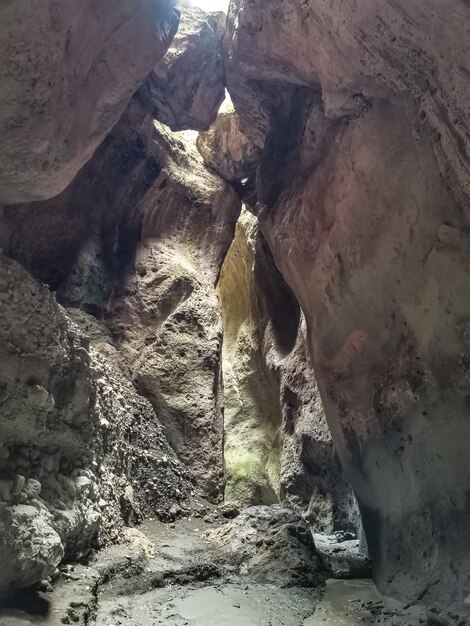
[272,544]
[81,454]
[167,321]
[151,226]
[68,71]
[363,196]
[187,87]
[277,442]
[356,53]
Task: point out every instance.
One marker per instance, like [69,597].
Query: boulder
[271,544]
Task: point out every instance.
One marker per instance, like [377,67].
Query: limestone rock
[187,87]
[67,71]
[273,545]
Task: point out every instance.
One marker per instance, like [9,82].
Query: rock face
[68,71]
[277,443]
[187,87]
[227,150]
[151,226]
[80,452]
[356,53]
[363,197]
[272,544]
[167,321]
[253,415]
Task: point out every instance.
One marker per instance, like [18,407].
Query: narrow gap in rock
[234,313]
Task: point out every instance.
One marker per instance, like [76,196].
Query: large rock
[226,149]
[187,87]
[364,201]
[355,52]
[253,414]
[67,72]
[80,454]
[380,270]
[272,544]
[166,317]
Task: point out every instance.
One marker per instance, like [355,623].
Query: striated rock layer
[362,193]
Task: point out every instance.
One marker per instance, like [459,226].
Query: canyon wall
[277,443]
[362,193]
[151,228]
[81,453]
[93,396]
[350,144]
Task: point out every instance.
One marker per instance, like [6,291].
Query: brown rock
[67,71]
[355,52]
[364,202]
[167,317]
[144,244]
[226,149]
[379,268]
[277,443]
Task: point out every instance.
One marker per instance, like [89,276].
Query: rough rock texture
[357,52]
[277,442]
[226,149]
[367,216]
[343,556]
[187,87]
[167,322]
[78,446]
[252,414]
[147,227]
[67,72]
[272,544]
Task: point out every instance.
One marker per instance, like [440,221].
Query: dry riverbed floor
[174,575]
